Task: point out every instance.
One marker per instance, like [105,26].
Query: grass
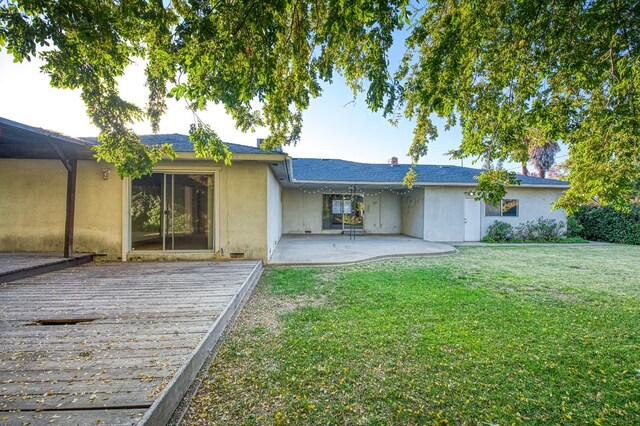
[493,335]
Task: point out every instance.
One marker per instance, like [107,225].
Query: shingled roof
[330,170]
[181,143]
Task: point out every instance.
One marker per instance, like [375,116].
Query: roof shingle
[181,143]
[331,170]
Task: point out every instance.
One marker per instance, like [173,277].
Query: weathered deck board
[113,417]
[147,319]
[15,266]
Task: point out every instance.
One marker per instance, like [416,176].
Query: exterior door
[472,212]
[187,212]
[342,211]
[172,212]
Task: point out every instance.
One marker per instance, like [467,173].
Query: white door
[472,211]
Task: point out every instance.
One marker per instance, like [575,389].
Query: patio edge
[368,259]
[164,406]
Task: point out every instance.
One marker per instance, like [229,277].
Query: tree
[498,68]
[202,51]
[542,153]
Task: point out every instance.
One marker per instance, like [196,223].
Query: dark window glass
[510,208]
[504,208]
[491,210]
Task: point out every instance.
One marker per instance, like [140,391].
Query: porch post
[71,207]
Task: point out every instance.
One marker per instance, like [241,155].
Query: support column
[71,207]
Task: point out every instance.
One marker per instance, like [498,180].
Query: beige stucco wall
[33,206]
[241,193]
[243,210]
[274,212]
[413,213]
[302,212]
[444,210]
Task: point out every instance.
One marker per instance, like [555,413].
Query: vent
[236,255]
[393,161]
[307,232]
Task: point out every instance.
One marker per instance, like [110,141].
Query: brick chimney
[393,161]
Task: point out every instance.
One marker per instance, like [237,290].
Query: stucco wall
[444,213]
[33,206]
[98,216]
[274,212]
[444,210]
[302,212]
[382,212]
[413,213]
[533,204]
[243,210]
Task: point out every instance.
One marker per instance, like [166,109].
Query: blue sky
[334,126]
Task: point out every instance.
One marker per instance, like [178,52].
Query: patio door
[172,212]
[342,211]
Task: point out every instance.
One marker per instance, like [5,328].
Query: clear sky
[334,126]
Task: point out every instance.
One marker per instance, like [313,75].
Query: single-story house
[53,194]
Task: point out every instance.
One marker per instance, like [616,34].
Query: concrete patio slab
[339,249]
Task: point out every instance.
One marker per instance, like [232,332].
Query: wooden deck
[15,266]
[100,343]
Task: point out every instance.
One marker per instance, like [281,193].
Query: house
[53,194]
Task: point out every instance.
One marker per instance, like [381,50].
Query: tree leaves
[569,70]
[499,69]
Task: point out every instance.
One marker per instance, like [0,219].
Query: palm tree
[542,152]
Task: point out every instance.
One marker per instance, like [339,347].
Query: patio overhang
[19,141]
[345,186]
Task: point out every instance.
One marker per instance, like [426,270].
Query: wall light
[105,174]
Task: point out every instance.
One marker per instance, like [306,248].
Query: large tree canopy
[568,70]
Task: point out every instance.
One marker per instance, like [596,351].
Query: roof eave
[46,133]
[422,184]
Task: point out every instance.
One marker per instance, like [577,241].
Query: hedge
[609,225]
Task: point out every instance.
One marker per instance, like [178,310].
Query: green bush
[610,225]
[499,232]
[574,228]
[540,231]
[544,230]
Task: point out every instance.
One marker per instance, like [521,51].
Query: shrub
[499,232]
[610,225]
[574,228]
[542,230]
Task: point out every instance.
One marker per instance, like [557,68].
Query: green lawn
[492,335]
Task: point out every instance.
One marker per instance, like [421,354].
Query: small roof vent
[393,161]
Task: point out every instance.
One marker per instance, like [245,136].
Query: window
[340,211]
[504,208]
